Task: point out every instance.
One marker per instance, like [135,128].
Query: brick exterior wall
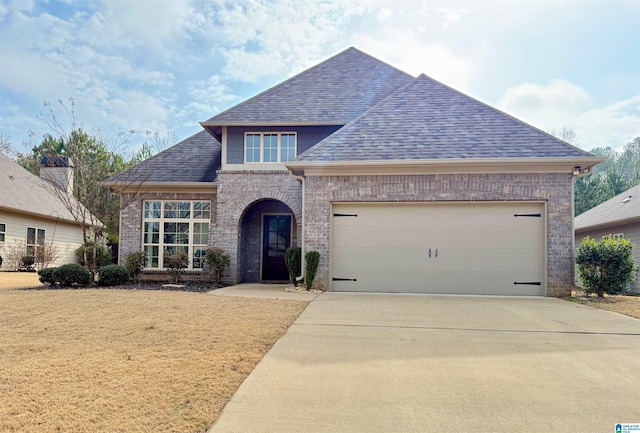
[131,217]
[240,194]
[554,189]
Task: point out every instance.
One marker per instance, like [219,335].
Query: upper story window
[270,146]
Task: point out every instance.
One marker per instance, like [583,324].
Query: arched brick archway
[266,228]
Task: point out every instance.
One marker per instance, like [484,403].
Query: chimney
[58,170]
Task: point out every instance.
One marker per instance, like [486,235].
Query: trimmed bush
[218,262]
[606,266]
[72,274]
[176,264]
[313,259]
[103,254]
[135,264]
[293,260]
[113,275]
[45,275]
[0,261]
[28,261]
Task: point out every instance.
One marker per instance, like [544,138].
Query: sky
[145,70]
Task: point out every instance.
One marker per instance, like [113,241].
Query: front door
[276,238]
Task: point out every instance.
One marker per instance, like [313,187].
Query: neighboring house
[616,217]
[32,217]
[402,184]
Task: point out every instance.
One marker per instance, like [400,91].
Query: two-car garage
[489,248]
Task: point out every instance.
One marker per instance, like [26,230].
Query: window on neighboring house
[270,146]
[616,236]
[35,240]
[170,227]
[3,232]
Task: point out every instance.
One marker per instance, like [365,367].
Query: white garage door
[462,248]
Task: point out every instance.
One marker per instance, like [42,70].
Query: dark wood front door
[276,238]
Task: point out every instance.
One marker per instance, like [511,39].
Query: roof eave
[449,165]
[606,224]
[146,186]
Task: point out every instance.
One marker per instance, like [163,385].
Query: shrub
[135,264]
[103,254]
[218,262]
[606,266]
[45,275]
[0,261]
[113,275]
[293,260]
[175,264]
[28,261]
[70,274]
[313,259]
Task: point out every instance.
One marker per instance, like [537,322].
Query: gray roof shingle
[22,191]
[612,211]
[428,120]
[194,159]
[332,92]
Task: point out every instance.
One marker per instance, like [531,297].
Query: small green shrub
[313,259]
[0,261]
[293,260]
[28,260]
[176,264]
[45,275]
[113,275]
[135,264]
[70,274]
[103,254]
[218,262]
[606,266]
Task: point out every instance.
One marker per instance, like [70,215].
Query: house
[402,184]
[616,217]
[33,219]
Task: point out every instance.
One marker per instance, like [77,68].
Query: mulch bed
[195,287]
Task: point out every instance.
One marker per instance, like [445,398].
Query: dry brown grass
[128,360]
[623,304]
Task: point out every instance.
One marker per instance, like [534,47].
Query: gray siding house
[616,217]
[401,183]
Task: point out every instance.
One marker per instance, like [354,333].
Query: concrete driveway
[411,363]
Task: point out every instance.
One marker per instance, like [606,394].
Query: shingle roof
[429,120]
[22,191]
[612,211]
[332,92]
[194,159]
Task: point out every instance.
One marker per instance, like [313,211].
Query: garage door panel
[481,247]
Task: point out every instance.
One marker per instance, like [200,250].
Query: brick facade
[554,189]
[248,194]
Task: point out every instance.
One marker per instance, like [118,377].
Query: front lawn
[629,305]
[102,360]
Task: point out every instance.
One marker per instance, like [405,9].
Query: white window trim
[161,244]
[26,239]
[262,134]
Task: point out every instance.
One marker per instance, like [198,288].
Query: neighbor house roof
[195,159]
[24,192]
[615,211]
[333,92]
[426,120]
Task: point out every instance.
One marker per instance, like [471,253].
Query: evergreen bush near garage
[313,259]
[135,264]
[113,275]
[218,262]
[606,266]
[45,275]
[293,260]
[68,275]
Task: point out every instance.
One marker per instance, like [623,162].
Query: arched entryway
[267,228]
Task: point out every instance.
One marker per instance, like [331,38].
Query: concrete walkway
[267,291]
[411,363]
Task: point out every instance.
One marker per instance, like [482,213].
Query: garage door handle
[436,252]
[429,252]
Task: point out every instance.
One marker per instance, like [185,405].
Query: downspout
[302,260]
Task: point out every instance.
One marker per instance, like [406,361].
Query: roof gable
[332,92]
[194,159]
[612,212]
[24,192]
[427,120]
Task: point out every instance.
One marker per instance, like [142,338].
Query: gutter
[302,259]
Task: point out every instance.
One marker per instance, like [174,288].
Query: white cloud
[451,16]
[383,14]
[549,106]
